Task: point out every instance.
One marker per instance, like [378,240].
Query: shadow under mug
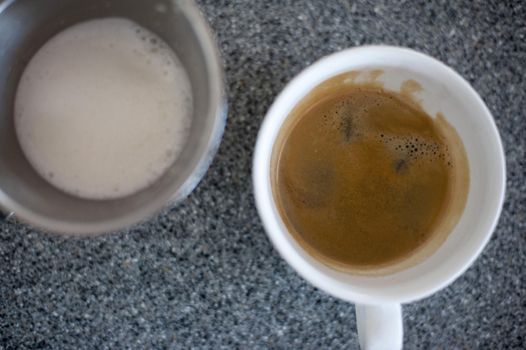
[25,25]
[378,298]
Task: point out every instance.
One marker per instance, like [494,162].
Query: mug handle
[380,327]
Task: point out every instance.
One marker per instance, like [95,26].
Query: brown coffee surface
[364,178]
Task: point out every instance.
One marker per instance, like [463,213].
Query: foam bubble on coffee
[103,109]
[350,118]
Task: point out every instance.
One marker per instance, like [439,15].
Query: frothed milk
[103,109]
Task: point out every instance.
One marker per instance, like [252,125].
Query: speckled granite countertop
[204,275]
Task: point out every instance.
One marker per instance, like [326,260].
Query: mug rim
[287,99]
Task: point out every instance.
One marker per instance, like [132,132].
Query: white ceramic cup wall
[378,299]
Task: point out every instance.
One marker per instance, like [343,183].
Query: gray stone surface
[203,275]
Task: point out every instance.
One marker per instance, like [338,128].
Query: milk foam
[103,109]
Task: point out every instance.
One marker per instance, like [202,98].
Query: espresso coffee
[364,179]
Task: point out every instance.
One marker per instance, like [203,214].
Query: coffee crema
[364,179]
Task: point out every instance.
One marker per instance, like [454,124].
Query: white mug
[378,298]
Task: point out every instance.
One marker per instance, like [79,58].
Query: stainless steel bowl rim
[218,110]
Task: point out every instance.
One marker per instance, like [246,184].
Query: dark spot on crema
[347,128]
[400,166]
